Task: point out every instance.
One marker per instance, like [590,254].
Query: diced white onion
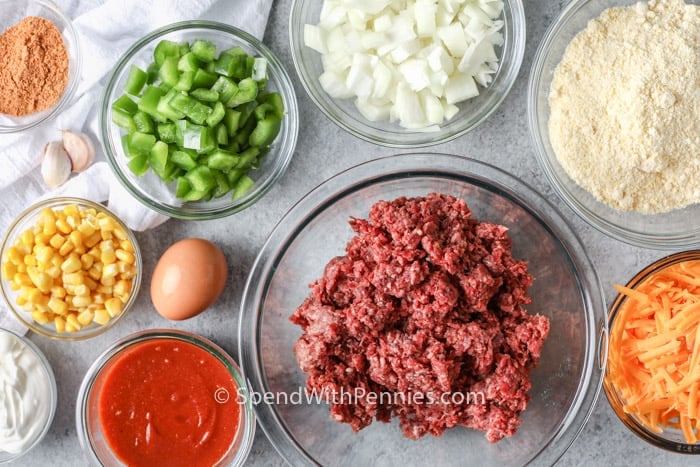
[409,61]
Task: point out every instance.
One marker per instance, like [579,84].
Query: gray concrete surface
[323,150]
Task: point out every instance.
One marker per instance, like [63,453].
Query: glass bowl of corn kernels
[70,268]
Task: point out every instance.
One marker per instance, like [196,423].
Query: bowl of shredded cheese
[652,380]
[616,129]
[407,74]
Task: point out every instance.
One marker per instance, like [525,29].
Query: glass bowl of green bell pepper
[198,120]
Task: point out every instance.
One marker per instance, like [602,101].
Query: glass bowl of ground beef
[432,292]
[615,128]
[39,63]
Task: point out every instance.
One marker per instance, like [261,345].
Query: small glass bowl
[671,439]
[26,221]
[471,112]
[49,385]
[12,12]
[90,434]
[149,189]
[565,384]
[671,230]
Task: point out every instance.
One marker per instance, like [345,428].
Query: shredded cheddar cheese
[654,350]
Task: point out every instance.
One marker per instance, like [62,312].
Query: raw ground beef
[427,301]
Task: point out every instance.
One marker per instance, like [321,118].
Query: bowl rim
[53,203]
[413,139]
[73,62]
[412,164]
[53,391]
[611,393]
[688,239]
[246,431]
[283,156]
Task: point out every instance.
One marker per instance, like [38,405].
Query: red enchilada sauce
[165,402]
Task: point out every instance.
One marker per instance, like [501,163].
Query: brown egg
[188,278]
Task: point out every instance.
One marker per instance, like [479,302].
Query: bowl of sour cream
[29,397]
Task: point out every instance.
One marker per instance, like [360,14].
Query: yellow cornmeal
[625,107]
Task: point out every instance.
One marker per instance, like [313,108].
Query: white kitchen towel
[106,29]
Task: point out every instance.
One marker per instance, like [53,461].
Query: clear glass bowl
[344,113]
[26,221]
[566,289]
[12,12]
[49,384]
[149,189]
[671,230]
[90,433]
[671,439]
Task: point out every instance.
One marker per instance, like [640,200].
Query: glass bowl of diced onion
[70,268]
[425,75]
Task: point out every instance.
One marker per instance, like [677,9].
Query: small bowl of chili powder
[165,397]
[39,63]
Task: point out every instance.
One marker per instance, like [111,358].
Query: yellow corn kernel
[58,306]
[9,269]
[72,320]
[126,246]
[41,280]
[57,260]
[85,317]
[108,257]
[122,287]
[98,299]
[106,235]
[107,245]
[66,248]
[60,324]
[71,264]
[54,272]
[110,270]
[40,317]
[23,279]
[27,238]
[101,316]
[95,252]
[21,300]
[93,239]
[71,210]
[74,278]
[81,301]
[86,229]
[33,295]
[58,291]
[42,238]
[95,273]
[105,290]
[77,239]
[91,284]
[14,255]
[63,226]
[113,306]
[125,256]
[49,228]
[30,260]
[120,233]
[57,241]
[22,248]
[14,286]
[47,215]
[44,254]
[87,261]
[107,224]
[82,290]
[110,281]
[22,268]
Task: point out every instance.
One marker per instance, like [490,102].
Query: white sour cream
[25,395]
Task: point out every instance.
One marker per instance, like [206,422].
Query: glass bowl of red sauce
[165,397]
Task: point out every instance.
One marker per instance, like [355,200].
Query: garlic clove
[56,166]
[79,148]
